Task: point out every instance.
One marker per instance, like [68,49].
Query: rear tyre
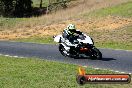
[96,54]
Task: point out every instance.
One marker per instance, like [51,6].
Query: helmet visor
[72,30]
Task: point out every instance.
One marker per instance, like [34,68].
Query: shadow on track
[108,59]
[103,59]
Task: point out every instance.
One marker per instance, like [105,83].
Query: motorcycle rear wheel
[96,54]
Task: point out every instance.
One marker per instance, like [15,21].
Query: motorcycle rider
[69,32]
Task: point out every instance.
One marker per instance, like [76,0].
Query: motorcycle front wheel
[65,53]
[62,50]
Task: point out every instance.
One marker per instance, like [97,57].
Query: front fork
[74,51]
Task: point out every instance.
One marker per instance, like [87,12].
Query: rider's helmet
[71,28]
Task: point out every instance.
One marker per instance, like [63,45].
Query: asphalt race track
[120,60]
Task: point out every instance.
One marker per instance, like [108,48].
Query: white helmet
[71,27]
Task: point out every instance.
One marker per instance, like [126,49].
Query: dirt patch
[109,23]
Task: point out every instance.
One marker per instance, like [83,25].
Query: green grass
[116,39]
[37,73]
[114,45]
[124,9]
[45,40]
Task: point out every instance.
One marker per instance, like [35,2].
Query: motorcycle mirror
[54,36]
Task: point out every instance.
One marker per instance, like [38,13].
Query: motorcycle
[81,45]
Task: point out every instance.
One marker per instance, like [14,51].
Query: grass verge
[37,73]
[124,10]
[116,39]
[44,40]
[9,23]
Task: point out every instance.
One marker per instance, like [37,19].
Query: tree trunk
[41,2]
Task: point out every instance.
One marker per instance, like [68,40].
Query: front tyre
[96,54]
[62,50]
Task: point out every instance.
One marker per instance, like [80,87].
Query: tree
[56,5]
[64,5]
[6,7]
[15,7]
[23,8]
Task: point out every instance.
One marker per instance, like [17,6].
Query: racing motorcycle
[81,45]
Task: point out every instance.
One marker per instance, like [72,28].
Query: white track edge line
[108,69]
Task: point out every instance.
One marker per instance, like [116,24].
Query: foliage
[15,7]
[58,4]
